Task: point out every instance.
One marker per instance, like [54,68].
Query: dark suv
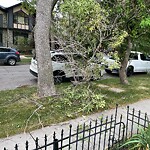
[9,56]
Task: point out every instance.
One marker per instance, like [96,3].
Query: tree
[43,10]
[80,27]
[45,71]
[30,5]
[82,22]
[128,15]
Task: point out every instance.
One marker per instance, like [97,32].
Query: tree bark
[124,62]
[45,71]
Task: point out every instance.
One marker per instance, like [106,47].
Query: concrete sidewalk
[20,139]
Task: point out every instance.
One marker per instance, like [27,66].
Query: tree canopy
[131,24]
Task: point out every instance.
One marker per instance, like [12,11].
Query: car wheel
[59,77]
[11,62]
[130,71]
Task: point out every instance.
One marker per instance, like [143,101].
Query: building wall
[10,38]
[4,19]
[7,26]
[5,37]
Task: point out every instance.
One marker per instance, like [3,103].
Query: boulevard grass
[26,60]
[21,110]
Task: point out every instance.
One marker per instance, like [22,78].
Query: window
[144,57]
[133,56]
[4,50]
[59,58]
[20,37]
[21,18]
[1,20]
[1,37]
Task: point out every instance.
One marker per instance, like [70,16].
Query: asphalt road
[12,77]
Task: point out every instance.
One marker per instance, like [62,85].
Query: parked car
[9,56]
[63,65]
[138,62]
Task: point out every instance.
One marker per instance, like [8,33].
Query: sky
[7,3]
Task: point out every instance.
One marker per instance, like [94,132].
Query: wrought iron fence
[103,134]
[135,121]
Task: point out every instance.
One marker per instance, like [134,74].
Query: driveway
[12,77]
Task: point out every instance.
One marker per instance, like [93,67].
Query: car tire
[130,71]
[59,76]
[11,61]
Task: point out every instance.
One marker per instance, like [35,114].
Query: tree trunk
[124,62]
[45,71]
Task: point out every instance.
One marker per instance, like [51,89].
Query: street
[12,77]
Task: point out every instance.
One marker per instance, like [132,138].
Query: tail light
[17,53]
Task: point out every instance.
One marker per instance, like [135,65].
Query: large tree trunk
[124,62]
[45,71]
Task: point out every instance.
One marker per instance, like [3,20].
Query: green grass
[25,61]
[17,106]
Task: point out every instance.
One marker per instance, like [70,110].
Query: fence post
[16,147]
[45,142]
[27,145]
[55,144]
[127,123]
[36,143]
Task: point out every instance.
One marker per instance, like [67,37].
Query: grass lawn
[21,109]
[26,60]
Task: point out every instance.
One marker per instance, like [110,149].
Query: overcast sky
[7,3]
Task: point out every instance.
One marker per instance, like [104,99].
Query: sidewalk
[20,139]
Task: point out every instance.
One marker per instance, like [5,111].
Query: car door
[134,61]
[2,55]
[59,62]
[148,63]
[73,67]
[146,60]
[78,63]
[145,63]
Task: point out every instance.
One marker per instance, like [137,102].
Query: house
[15,24]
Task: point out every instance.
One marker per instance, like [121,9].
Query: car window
[133,56]
[148,58]
[144,57]
[4,50]
[59,58]
[76,58]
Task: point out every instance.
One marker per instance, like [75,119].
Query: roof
[6,8]
[136,52]
[2,8]
[14,5]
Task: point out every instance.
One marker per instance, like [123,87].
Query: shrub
[82,96]
[140,141]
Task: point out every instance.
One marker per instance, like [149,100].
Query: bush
[84,97]
[140,141]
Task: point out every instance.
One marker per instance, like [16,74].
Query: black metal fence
[102,134]
[135,120]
